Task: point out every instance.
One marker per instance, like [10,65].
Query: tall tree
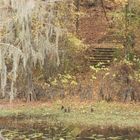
[29,31]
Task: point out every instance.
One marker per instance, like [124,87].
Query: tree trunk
[31,96]
[77,4]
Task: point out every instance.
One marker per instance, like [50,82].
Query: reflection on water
[55,133]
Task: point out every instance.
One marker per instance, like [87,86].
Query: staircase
[101,56]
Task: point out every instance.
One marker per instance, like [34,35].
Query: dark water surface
[60,133]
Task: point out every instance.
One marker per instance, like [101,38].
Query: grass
[104,114]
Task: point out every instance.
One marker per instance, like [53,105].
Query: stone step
[103,56]
[100,50]
[104,48]
[106,61]
[92,58]
[102,64]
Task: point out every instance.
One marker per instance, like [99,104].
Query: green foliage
[126,22]
[96,70]
[63,81]
[72,53]
[74,44]
[104,114]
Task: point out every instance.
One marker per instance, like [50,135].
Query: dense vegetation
[70,69]
[42,53]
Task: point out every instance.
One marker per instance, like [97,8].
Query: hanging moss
[26,31]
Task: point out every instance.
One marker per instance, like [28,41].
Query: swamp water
[57,133]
